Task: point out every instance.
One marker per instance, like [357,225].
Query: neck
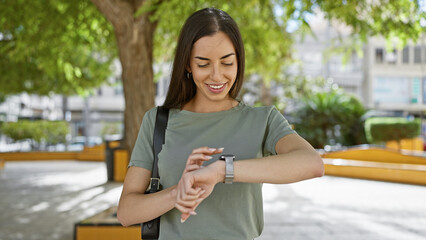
[206,107]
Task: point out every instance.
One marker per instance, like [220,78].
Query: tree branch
[116,11]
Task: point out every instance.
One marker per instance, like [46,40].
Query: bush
[331,118]
[51,132]
[18,130]
[55,132]
[383,129]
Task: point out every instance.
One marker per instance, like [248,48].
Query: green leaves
[330,118]
[53,47]
[67,46]
[47,131]
[265,26]
[396,20]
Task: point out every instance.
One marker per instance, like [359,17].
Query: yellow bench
[391,172]
[105,226]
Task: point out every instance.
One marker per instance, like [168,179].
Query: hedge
[383,129]
[51,132]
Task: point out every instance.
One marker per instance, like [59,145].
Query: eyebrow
[203,58]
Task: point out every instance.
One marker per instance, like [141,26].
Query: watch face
[222,157]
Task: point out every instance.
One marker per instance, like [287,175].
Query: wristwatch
[229,167]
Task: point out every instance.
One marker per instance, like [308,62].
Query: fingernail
[208,157]
[212,149]
[199,200]
[182,220]
[221,149]
[202,191]
[193,213]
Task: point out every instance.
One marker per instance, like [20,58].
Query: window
[391,57]
[379,55]
[417,54]
[406,55]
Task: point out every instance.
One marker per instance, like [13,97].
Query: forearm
[136,207]
[284,168]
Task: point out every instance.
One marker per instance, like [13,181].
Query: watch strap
[229,168]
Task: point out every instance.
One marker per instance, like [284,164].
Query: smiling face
[214,66]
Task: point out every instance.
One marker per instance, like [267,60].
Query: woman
[205,121]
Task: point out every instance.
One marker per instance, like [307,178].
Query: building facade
[395,80]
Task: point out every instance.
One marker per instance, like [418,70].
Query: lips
[216,88]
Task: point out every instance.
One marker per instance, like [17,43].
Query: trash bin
[116,158]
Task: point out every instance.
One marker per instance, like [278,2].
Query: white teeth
[216,86]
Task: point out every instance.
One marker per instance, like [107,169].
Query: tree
[330,117]
[53,46]
[139,25]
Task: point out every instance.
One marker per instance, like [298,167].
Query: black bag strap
[161,120]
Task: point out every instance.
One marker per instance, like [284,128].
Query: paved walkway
[43,200]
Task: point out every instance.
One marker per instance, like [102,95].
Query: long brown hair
[205,22]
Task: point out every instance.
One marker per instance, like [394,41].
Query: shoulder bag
[151,230]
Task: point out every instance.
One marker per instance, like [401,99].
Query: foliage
[53,46]
[371,18]
[383,129]
[265,25]
[39,131]
[66,46]
[330,118]
[111,128]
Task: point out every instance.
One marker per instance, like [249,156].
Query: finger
[187,185]
[193,203]
[208,151]
[205,150]
[198,202]
[187,197]
[219,150]
[185,200]
[187,206]
[183,209]
[201,193]
[190,204]
[197,158]
[184,217]
[187,192]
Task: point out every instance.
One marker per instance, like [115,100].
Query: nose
[216,74]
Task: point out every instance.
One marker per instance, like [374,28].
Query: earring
[189,75]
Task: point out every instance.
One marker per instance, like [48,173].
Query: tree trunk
[135,47]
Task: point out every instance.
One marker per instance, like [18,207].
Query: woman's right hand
[187,200]
[199,156]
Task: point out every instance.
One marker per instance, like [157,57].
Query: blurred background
[76,78]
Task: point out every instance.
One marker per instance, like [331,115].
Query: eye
[228,64]
[202,65]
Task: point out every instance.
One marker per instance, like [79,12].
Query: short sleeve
[142,155]
[277,128]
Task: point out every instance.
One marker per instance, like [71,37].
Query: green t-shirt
[233,211]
